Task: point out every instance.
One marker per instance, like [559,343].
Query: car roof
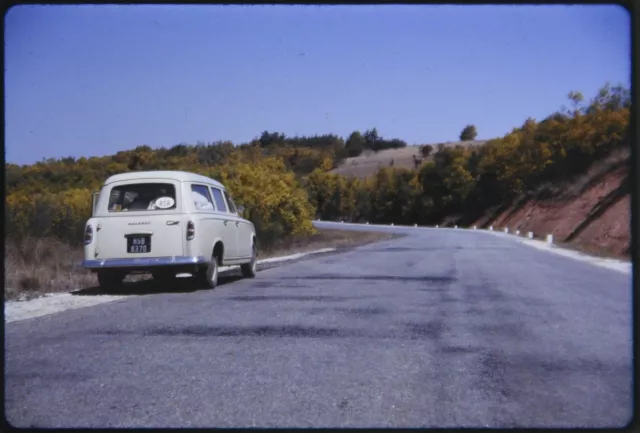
[182,176]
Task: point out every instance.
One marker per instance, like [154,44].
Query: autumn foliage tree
[284,182]
[272,194]
[274,200]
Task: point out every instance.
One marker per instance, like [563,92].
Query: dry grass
[615,160]
[37,266]
[369,162]
[34,267]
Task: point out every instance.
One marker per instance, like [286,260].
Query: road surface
[440,328]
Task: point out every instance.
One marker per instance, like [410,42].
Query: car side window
[232,205]
[201,197]
[217,195]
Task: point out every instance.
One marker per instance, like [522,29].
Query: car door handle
[173,223]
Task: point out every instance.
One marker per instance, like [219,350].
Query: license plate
[139,244]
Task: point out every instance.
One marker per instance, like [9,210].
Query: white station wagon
[166,223]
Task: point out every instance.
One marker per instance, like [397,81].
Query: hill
[410,157]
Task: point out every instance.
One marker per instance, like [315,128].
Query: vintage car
[166,223]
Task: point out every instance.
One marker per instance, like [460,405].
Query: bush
[274,200]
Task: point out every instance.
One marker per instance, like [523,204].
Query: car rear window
[142,197]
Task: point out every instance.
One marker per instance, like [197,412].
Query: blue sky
[95,80]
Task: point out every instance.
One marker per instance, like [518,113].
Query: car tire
[249,269]
[208,277]
[110,282]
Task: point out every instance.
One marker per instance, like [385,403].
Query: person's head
[144,195]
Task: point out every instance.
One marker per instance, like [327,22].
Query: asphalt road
[441,328]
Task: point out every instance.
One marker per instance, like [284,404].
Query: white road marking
[617,265]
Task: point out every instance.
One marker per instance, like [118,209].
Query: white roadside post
[455,227]
[517,232]
[436,225]
[506,230]
[474,227]
[549,239]
[530,235]
[391,223]
[415,225]
[491,228]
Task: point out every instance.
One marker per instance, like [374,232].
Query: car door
[228,227]
[243,231]
[208,223]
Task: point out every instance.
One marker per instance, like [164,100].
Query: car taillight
[88,235]
[191,230]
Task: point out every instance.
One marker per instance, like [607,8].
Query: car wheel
[249,269]
[208,277]
[110,282]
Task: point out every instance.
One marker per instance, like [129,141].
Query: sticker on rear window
[164,202]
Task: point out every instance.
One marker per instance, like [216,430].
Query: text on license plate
[139,244]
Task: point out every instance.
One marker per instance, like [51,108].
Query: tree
[355,144]
[371,138]
[576,99]
[275,201]
[468,133]
[426,150]
[271,138]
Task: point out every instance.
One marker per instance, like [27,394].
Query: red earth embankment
[591,214]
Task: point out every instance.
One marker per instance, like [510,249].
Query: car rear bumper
[144,262]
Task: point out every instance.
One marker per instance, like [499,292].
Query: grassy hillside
[411,157]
